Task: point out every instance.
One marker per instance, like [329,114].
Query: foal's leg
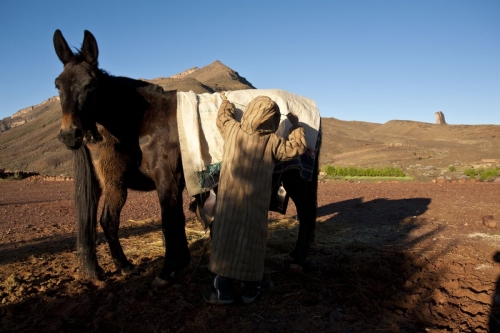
[114,199]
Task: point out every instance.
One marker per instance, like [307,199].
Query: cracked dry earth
[389,257]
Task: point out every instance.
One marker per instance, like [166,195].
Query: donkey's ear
[63,51]
[89,48]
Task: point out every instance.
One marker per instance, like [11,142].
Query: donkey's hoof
[101,274]
[129,270]
[295,269]
[294,266]
[159,283]
[95,273]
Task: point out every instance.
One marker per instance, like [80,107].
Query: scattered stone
[489,221]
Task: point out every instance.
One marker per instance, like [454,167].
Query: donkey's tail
[87,193]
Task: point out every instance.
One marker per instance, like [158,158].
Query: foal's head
[77,86]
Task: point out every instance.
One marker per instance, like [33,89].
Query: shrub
[490,174]
[471,172]
[16,176]
[333,171]
[452,168]
[482,173]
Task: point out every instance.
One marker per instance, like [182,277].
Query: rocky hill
[423,150]
[211,78]
[26,115]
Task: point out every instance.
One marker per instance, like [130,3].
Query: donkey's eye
[89,86]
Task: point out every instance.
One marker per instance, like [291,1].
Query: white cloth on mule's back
[201,142]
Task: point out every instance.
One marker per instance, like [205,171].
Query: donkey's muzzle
[71,138]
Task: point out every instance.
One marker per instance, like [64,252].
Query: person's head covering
[261,115]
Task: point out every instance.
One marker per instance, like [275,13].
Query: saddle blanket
[201,142]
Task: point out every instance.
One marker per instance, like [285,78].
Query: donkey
[123,134]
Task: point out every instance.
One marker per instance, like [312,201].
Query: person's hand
[294,120]
[224,98]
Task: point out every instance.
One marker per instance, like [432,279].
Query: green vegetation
[452,168]
[482,173]
[349,172]
[14,176]
[374,178]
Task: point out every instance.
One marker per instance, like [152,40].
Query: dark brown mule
[124,135]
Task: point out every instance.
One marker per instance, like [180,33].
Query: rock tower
[440,118]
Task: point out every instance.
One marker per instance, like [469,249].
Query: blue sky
[371,61]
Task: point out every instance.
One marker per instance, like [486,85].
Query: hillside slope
[410,145]
[33,146]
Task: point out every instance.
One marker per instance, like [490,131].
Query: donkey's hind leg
[304,197]
[114,199]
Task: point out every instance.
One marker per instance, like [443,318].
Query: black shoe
[221,291]
[214,298]
[250,291]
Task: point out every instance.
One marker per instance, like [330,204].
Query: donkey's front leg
[177,254]
[114,199]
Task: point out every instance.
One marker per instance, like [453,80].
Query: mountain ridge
[409,145]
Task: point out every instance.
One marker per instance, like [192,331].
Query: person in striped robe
[239,229]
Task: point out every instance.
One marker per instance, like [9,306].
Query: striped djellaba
[239,230]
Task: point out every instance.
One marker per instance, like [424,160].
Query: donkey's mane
[79,57]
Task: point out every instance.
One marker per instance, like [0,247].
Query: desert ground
[389,257]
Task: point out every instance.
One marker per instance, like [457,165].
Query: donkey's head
[77,85]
